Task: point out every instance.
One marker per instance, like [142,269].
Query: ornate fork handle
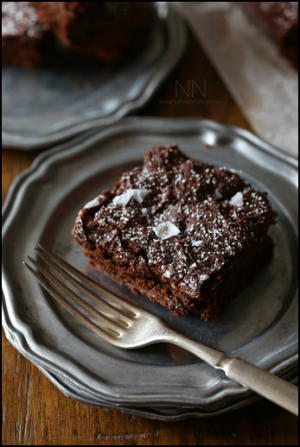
[256,379]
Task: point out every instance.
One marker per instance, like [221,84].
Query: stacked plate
[72,94]
[159,381]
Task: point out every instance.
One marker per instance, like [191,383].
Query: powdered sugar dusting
[166,230]
[182,231]
[137,194]
[19,18]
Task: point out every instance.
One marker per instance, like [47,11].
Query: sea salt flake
[237,199]
[137,194]
[193,265]
[165,230]
[169,271]
[203,277]
[144,211]
[218,195]
[92,203]
[197,243]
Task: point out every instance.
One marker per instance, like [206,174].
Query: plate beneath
[72,94]
[259,326]
[163,413]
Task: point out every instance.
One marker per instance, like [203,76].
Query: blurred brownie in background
[105,30]
[23,37]
[280,19]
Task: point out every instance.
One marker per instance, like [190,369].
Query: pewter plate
[72,94]
[260,325]
[161,413]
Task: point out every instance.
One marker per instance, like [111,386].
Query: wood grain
[35,412]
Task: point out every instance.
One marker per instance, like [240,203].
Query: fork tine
[121,315]
[106,333]
[111,324]
[133,309]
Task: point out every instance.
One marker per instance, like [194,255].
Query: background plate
[259,326]
[45,105]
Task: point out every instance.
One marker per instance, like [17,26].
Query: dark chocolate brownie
[187,235]
[280,19]
[23,37]
[101,29]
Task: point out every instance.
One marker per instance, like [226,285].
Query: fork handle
[256,379]
[262,382]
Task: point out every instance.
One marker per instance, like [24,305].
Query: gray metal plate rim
[149,413]
[178,38]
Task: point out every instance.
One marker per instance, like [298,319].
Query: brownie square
[184,233]
[105,30]
[23,37]
[280,20]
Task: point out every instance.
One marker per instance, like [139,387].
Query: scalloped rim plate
[62,348]
[164,414]
[131,87]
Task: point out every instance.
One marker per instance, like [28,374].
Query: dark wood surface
[35,412]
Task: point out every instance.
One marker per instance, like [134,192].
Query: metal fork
[127,326]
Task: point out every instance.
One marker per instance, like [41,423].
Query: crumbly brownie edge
[216,291]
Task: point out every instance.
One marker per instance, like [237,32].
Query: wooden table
[35,412]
